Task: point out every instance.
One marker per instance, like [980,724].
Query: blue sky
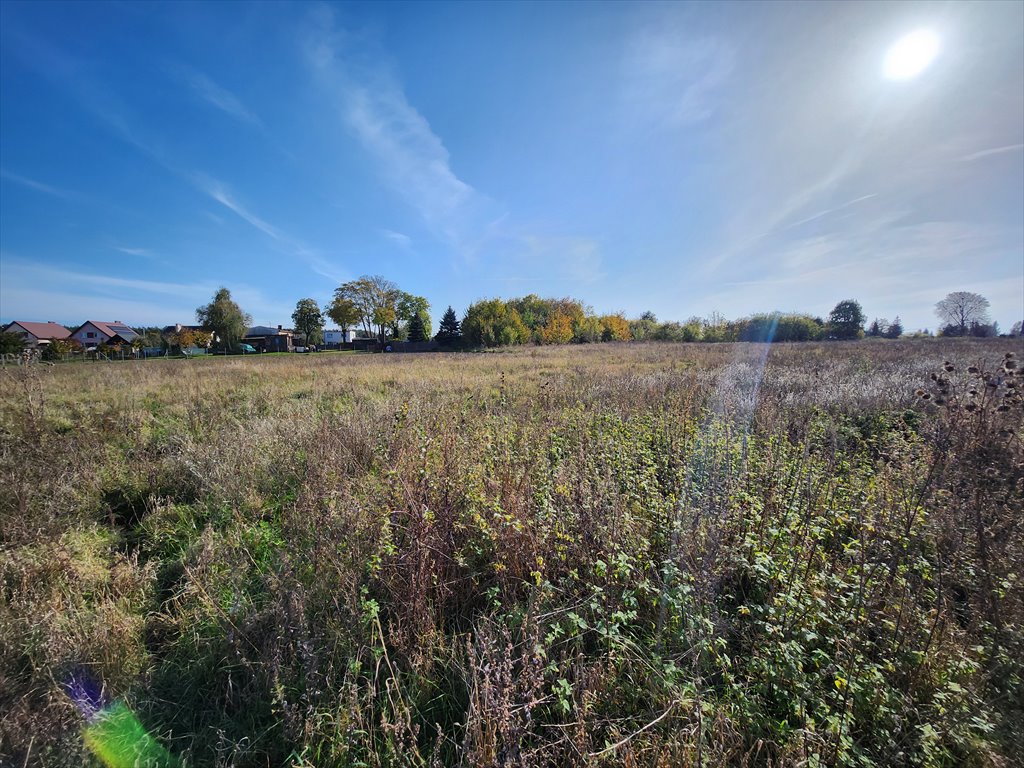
[685,159]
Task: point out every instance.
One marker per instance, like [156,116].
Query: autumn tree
[376,300]
[182,339]
[615,328]
[309,320]
[225,318]
[961,309]
[384,317]
[846,321]
[558,329]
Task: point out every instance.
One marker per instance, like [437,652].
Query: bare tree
[961,309]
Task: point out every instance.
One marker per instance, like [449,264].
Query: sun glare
[910,55]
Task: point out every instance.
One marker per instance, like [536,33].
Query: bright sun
[910,56]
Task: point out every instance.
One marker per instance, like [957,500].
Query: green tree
[343,312]
[225,319]
[960,310]
[716,328]
[533,311]
[450,331]
[777,327]
[846,321]
[588,330]
[408,307]
[309,320]
[416,329]
[895,329]
[11,343]
[151,336]
[644,327]
[59,349]
[493,323]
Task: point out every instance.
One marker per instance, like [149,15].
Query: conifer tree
[450,330]
[416,332]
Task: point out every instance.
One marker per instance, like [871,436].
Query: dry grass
[619,554]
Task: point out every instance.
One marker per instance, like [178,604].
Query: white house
[93,332]
[339,337]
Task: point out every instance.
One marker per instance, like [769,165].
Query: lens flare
[113,733]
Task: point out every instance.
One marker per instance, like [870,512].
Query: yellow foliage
[558,329]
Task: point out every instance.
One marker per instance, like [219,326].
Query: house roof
[266,330]
[42,330]
[111,329]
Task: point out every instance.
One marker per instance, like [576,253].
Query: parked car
[248,349]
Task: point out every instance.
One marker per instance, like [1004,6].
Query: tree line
[379,309]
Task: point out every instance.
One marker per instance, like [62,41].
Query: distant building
[93,332]
[267,339]
[339,337]
[37,334]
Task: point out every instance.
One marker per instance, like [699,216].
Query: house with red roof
[37,334]
[93,332]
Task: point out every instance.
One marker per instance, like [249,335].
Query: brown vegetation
[617,554]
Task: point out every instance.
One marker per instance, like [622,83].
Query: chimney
[279,328]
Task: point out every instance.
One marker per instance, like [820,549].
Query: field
[624,554]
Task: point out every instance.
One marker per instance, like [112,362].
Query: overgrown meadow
[639,555]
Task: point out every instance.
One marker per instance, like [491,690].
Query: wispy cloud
[220,193]
[32,184]
[773,218]
[410,157]
[830,211]
[992,151]
[212,93]
[80,295]
[415,163]
[134,251]
[403,241]
[286,243]
[674,79]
